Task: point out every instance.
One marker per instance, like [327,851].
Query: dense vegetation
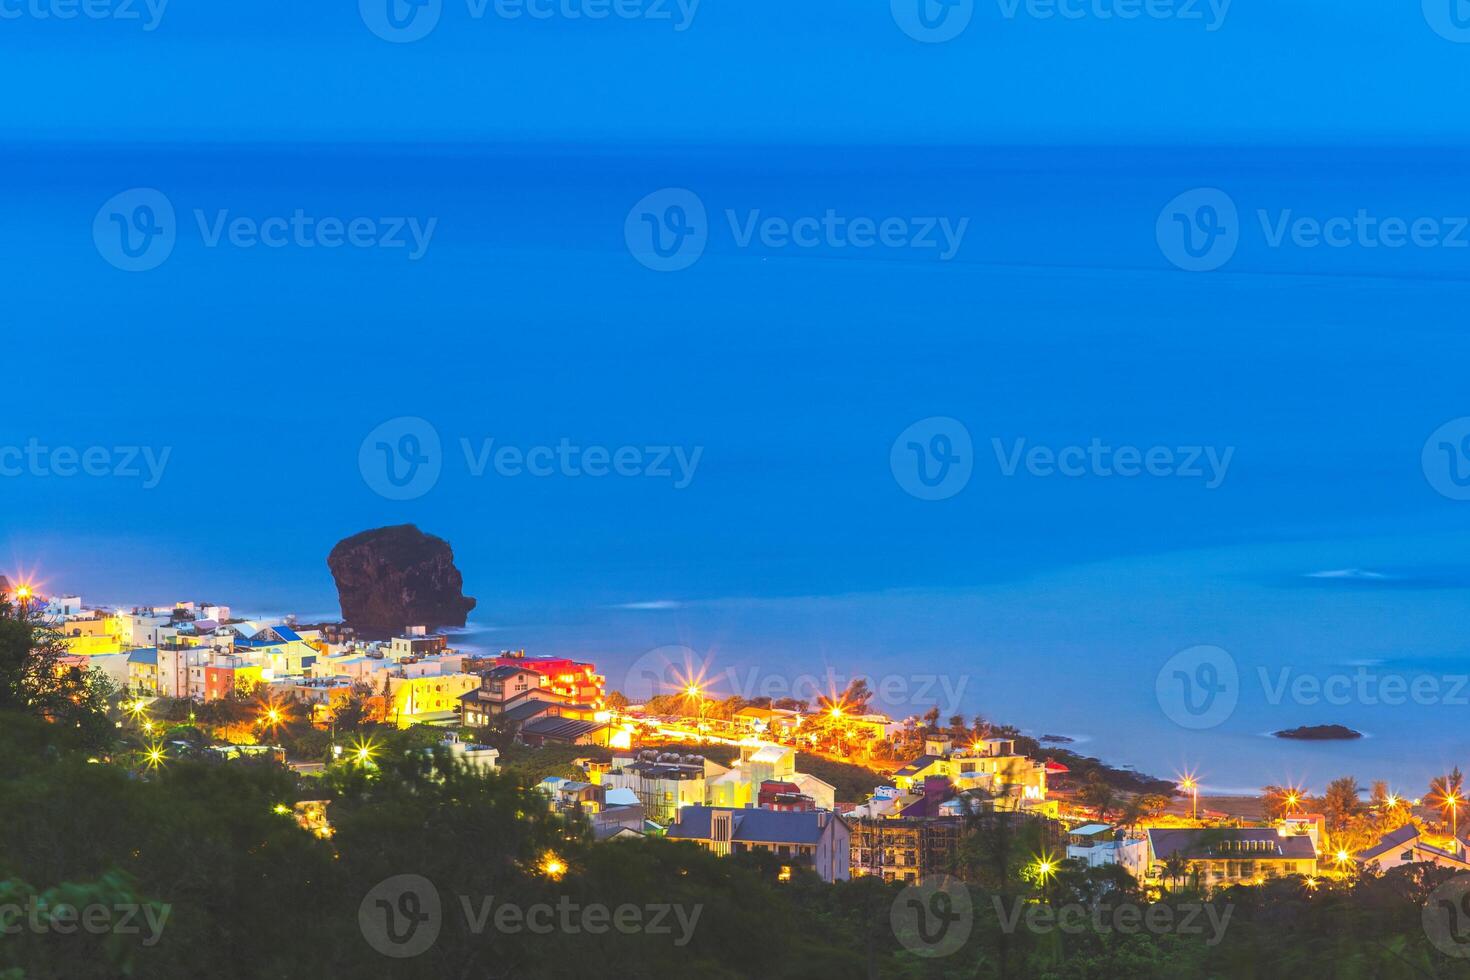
[209,864]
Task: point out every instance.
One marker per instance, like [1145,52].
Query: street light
[693,691]
[1191,785]
[552,866]
[1045,869]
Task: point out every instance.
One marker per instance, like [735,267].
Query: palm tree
[1448,793]
[1097,794]
[1175,868]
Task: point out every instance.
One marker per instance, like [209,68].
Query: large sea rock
[396,577]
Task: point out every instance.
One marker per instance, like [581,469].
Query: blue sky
[817,71]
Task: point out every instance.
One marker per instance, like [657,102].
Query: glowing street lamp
[694,692]
[363,752]
[1045,870]
[552,866]
[1190,785]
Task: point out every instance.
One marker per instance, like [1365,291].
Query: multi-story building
[1220,856]
[432,699]
[143,669]
[905,848]
[322,696]
[776,795]
[664,783]
[576,680]
[231,676]
[762,762]
[1407,845]
[500,688]
[816,839]
[990,764]
[93,635]
[417,642]
[181,671]
[139,629]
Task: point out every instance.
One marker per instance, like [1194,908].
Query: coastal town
[833,788]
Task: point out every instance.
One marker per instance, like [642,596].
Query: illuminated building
[143,670]
[663,782]
[1223,856]
[904,848]
[1407,845]
[501,688]
[576,680]
[431,700]
[762,762]
[555,729]
[990,764]
[819,839]
[231,675]
[483,758]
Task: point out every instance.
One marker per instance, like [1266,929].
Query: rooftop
[754,825]
[1230,842]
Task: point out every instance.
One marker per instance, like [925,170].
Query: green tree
[37,678]
[1341,802]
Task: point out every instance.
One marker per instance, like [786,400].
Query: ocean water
[1066,309]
